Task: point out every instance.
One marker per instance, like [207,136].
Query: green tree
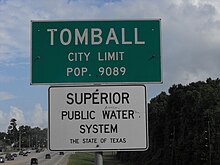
[184,127]
[13,132]
[25,136]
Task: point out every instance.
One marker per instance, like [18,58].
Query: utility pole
[173,145]
[210,149]
[36,142]
[19,140]
[29,141]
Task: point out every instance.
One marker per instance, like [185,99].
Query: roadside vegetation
[23,136]
[184,127]
[85,158]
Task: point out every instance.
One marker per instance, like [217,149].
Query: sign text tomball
[93,36]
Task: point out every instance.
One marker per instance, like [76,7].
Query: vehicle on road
[14,154]
[34,161]
[25,154]
[47,156]
[37,150]
[61,153]
[9,156]
[21,152]
[2,159]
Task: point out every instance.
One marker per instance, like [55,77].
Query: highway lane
[56,158]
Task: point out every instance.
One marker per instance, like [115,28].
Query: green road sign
[95,51]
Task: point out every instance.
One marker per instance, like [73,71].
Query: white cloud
[5,95]
[18,114]
[3,121]
[39,117]
[189,77]
[190,42]
[36,118]
[5,118]
[185,22]
[4,78]
[190,35]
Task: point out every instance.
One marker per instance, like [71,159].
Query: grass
[109,159]
[81,159]
[89,159]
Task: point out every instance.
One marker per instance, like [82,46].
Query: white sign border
[97,149]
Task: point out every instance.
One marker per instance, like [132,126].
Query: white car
[2,159]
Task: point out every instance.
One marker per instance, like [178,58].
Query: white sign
[93,118]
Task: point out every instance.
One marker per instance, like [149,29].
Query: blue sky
[190,45]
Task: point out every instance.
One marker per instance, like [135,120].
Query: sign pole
[98,158]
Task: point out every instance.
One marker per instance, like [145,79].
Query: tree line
[184,127]
[23,136]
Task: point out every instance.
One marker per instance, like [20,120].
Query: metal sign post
[98,158]
[97,118]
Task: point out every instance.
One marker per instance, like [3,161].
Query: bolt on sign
[95,51]
[98,118]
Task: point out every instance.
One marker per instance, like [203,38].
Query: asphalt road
[56,159]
